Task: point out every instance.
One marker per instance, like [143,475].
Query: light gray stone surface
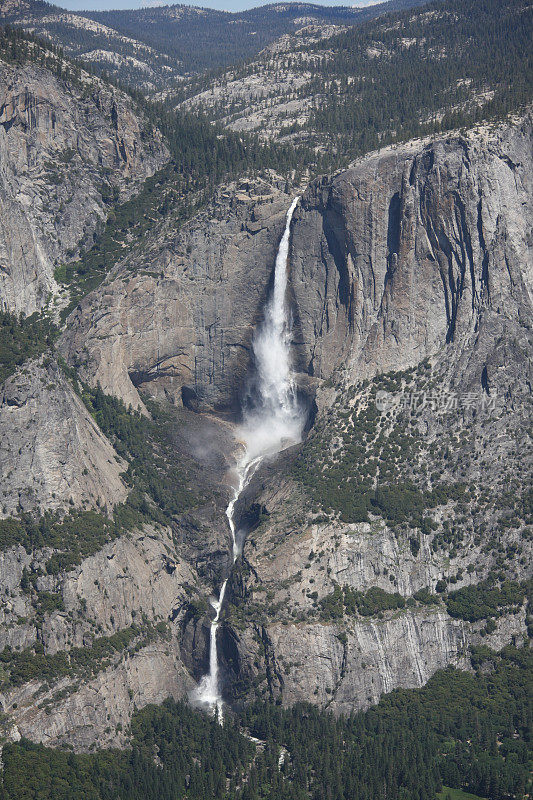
[53,455]
[61,146]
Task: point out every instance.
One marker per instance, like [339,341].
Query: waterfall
[272,420]
[272,415]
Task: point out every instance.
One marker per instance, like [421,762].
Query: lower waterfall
[272,420]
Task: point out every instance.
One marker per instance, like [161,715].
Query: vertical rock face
[52,453]
[377,657]
[63,145]
[139,580]
[415,247]
[424,250]
[179,319]
[275,637]
[347,671]
[98,714]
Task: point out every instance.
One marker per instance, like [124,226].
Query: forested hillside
[99,47]
[207,39]
[446,65]
[462,731]
[151,47]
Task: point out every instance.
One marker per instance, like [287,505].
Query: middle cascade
[273,419]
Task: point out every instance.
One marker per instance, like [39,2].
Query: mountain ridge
[170,40]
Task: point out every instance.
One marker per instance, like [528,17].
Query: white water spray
[272,420]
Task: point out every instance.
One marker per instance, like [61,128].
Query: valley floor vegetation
[468,732]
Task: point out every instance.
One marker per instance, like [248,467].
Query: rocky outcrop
[64,147]
[414,247]
[140,579]
[52,453]
[98,714]
[178,320]
[417,252]
[347,669]
[275,637]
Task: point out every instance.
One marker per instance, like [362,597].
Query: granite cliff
[411,290]
[405,252]
[53,454]
[416,263]
[67,145]
[177,320]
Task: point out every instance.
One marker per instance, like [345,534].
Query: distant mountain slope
[204,38]
[425,69]
[150,47]
[126,59]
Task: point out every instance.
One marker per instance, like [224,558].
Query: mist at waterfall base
[272,419]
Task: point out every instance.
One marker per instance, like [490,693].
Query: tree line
[469,731]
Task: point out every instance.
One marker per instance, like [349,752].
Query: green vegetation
[203,155]
[423,71]
[22,338]
[78,534]
[370,603]
[195,754]
[149,447]
[17,47]
[125,226]
[425,597]
[484,600]
[360,462]
[161,486]
[456,794]
[435,84]
[374,468]
[361,101]
[467,731]
[75,535]
[21,666]
[373,601]
[47,603]
[212,39]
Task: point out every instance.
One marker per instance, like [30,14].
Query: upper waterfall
[272,416]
